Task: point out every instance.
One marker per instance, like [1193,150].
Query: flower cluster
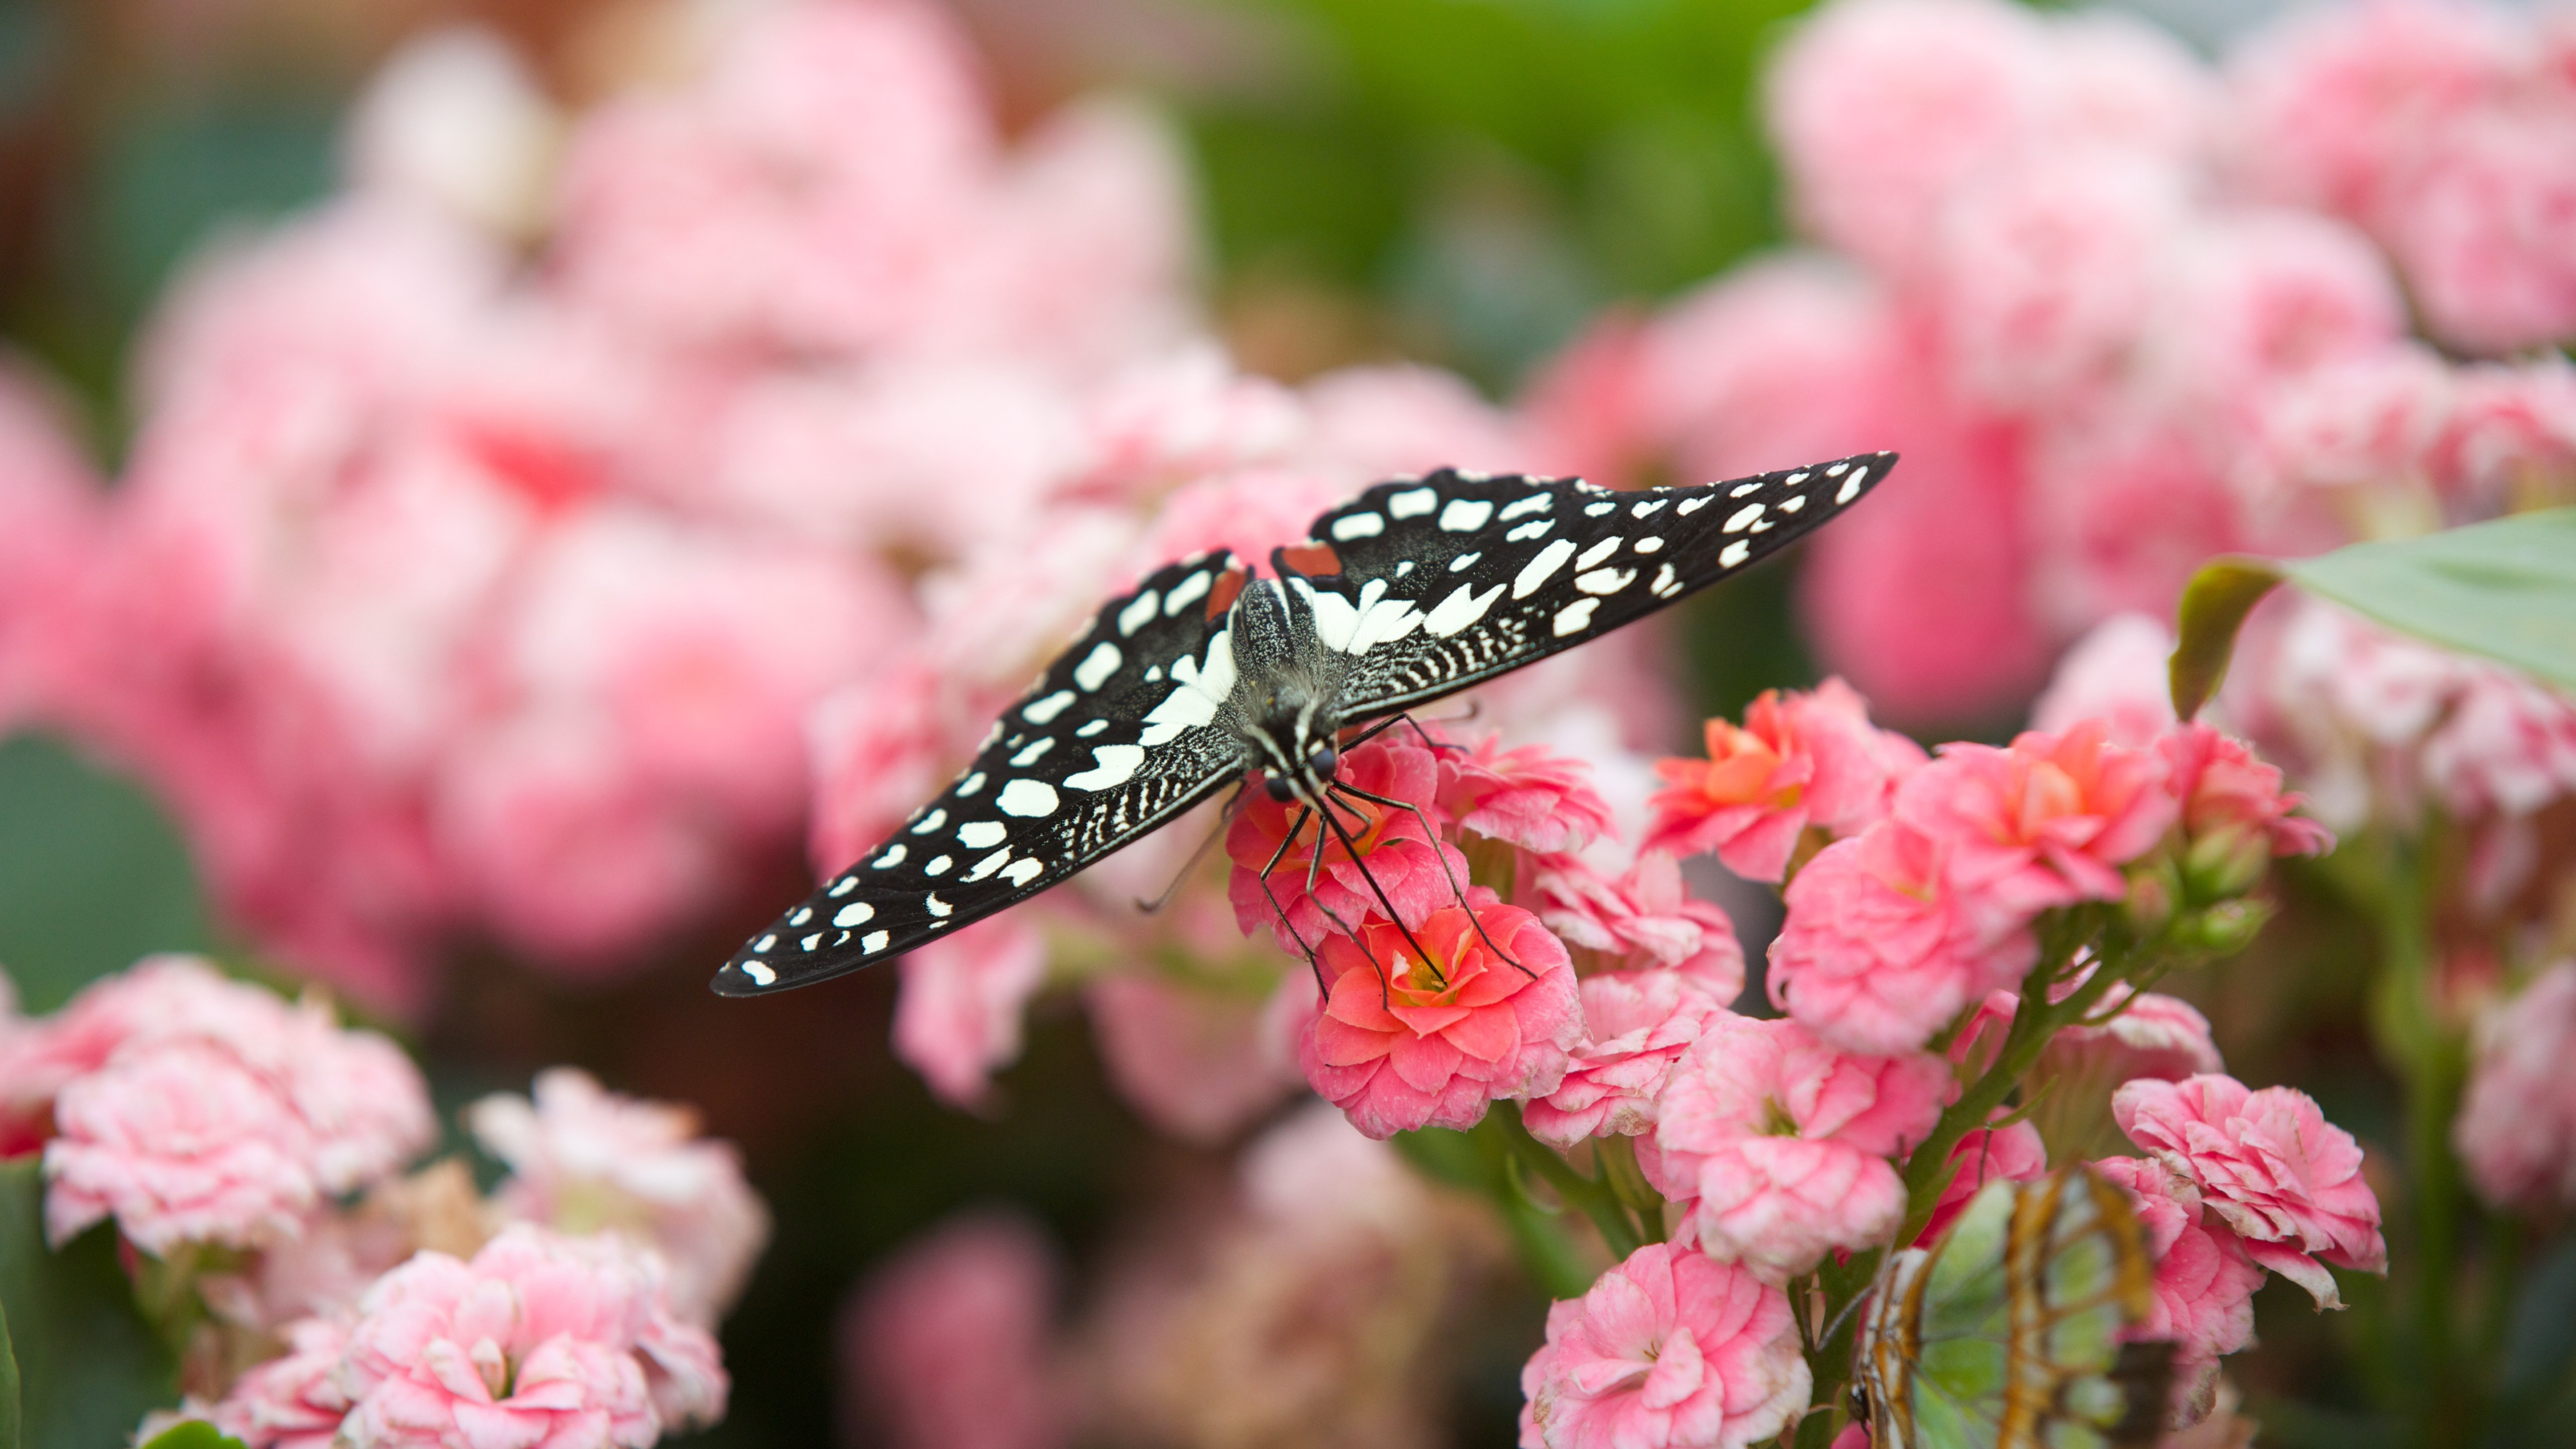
[2120,311]
[252,1152]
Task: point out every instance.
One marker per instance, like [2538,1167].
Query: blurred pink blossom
[1644,918]
[1532,797]
[949,1345]
[1800,760]
[293,1401]
[1787,1141]
[2270,1166]
[2508,745]
[1880,949]
[2511,429]
[2204,1282]
[1636,1026]
[50,515]
[1403,1043]
[1668,1349]
[1189,1057]
[1988,1154]
[2487,234]
[2516,1131]
[2154,1035]
[2115,674]
[2367,420]
[584,1159]
[2045,823]
[957,1018]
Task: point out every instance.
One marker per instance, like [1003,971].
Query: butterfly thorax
[1286,704]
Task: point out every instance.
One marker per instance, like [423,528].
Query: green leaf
[194,1434]
[92,874]
[2506,589]
[8,1387]
[89,1367]
[2213,607]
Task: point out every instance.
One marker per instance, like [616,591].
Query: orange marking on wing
[1228,585]
[1314,560]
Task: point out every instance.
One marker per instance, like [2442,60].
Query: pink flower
[1403,852]
[1189,1057]
[2509,427]
[1806,759]
[2045,823]
[949,1344]
[582,1158]
[539,1340]
[1670,1348]
[2153,1035]
[2268,1164]
[2257,296]
[2508,745]
[1644,918]
[2517,1126]
[2204,1282]
[1404,1043]
[2115,674]
[1636,1026]
[1880,949]
[2369,420]
[2127,503]
[2235,815]
[180,1144]
[2008,1154]
[2487,232]
[1531,797]
[1787,1141]
[294,1401]
[958,1016]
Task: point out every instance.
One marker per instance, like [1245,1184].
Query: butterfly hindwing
[1437,583]
[1116,738]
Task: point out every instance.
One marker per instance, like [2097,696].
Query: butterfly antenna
[1391,721]
[1281,911]
[1848,1309]
[1181,877]
[1433,837]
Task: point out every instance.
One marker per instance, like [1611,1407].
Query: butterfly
[2006,1333]
[1416,589]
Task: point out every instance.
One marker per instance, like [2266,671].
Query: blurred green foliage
[92,874]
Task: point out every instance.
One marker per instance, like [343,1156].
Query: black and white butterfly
[1414,590]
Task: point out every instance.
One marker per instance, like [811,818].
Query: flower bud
[2155,889]
[2226,928]
[2226,862]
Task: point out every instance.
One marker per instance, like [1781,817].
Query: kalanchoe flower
[1880,950]
[1670,1350]
[949,1343]
[2046,823]
[2152,1035]
[1785,1142]
[1645,918]
[583,1159]
[2517,1126]
[958,1017]
[1636,1025]
[1402,1043]
[2235,815]
[1989,1154]
[2204,1281]
[1799,761]
[294,1401]
[2115,674]
[1419,872]
[2267,1164]
[1531,797]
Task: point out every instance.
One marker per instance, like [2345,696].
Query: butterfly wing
[1436,584]
[1116,738]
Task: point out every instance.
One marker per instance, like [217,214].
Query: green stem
[1597,1200]
[1628,1182]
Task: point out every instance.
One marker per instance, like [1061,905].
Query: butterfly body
[1414,590]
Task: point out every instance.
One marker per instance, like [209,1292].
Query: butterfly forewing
[1434,584]
[1116,738]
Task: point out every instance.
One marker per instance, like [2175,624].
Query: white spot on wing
[970,784]
[1045,710]
[1572,618]
[1535,528]
[1463,562]
[1534,503]
[1692,505]
[1203,688]
[1465,515]
[873,942]
[1741,489]
[855,913]
[1541,568]
[1595,510]
[1734,553]
[806,943]
[1138,610]
[764,943]
[939,866]
[1411,502]
[931,822]
[1460,609]
[1093,728]
[1793,503]
[1358,525]
[1836,470]
[1027,799]
[1649,506]
[1793,480]
[1096,666]
[803,914]
[1403,567]
[1598,551]
[844,886]
[1851,486]
[893,857]
[1111,765]
[1023,871]
[1666,585]
[1036,751]
[1185,593]
[986,866]
[938,907]
[1605,581]
[979,835]
[1736,521]
[1650,545]
[760,975]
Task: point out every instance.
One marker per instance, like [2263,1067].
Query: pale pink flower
[2487,232]
[2509,427]
[957,1018]
[1381,422]
[1315,1176]
[2126,504]
[2255,296]
[878,750]
[2045,823]
[180,1143]
[2516,1130]
[1787,1141]
[1645,917]
[583,1159]
[1669,1350]
[454,119]
[2270,1166]
[1188,1057]
[1806,759]
[51,510]
[1248,511]
[1402,1043]
[2366,421]
[949,1345]
[293,1401]
[2204,1281]
[2508,745]
[540,1339]
[2154,1035]
[1881,949]
[1185,416]
[1636,1026]
[2235,815]
[1532,797]
[2115,674]
[1988,1154]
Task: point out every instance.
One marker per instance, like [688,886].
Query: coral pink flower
[2517,1126]
[1787,1141]
[1417,871]
[1669,1349]
[2270,1166]
[2115,674]
[2204,1282]
[1636,1026]
[2008,1154]
[1807,759]
[1880,949]
[294,1401]
[1532,797]
[582,1158]
[957,1018]
[540,1340]
[180,1144]
[1644,918]
[2045,823]
[1436,1041]
[949,1344]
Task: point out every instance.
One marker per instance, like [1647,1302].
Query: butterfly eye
[1323,763]
[1279,788]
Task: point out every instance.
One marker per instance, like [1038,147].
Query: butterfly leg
[1433,836]
[1281,911]
[1181,877]
[1391,721]
[1343,834]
